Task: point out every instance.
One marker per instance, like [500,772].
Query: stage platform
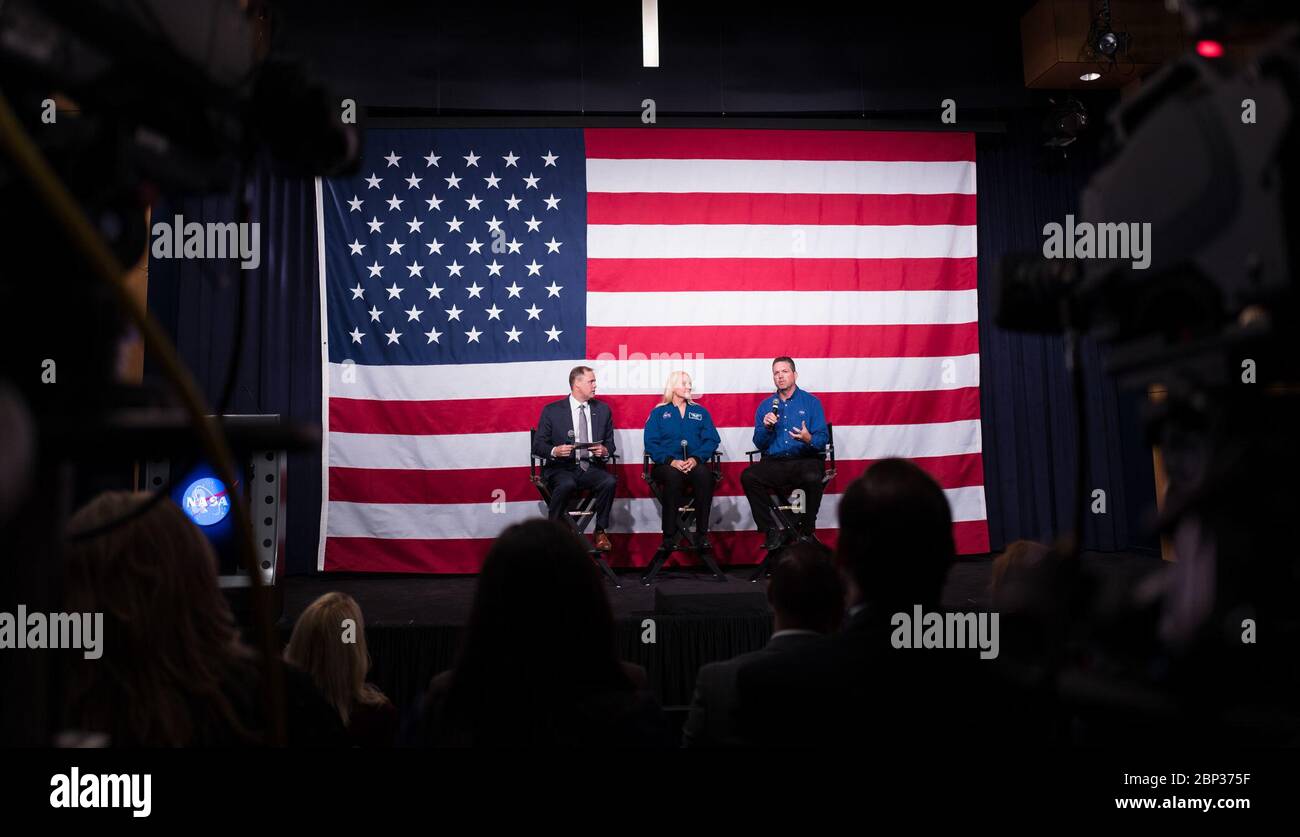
[414,623]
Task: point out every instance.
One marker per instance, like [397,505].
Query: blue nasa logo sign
[206,502]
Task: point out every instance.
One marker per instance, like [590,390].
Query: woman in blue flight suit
[678,420]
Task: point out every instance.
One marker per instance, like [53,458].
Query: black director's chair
[786,513]
[580,508]
[686,515]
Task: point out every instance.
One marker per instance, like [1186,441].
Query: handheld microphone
[683,450]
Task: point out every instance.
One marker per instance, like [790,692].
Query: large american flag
[464,272]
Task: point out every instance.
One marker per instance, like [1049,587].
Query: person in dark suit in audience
[564,428]
[538,666]
[855,690]
[807,598]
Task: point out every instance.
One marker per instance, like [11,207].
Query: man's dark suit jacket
[556,425]
[855,690]
[710,721]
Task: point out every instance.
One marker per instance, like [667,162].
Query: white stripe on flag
[506,450]
[646,377]
[629,514]
[781,308]
[772,241]
[802,177]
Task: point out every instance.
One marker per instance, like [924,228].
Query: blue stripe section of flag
[458,246]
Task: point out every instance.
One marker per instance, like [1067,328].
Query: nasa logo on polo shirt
[667,414]
[696,416]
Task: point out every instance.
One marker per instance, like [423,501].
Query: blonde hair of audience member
[170,639]
[676,379]
[338,668]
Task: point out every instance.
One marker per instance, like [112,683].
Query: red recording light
[1209,49]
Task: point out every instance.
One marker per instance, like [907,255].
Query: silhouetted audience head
[1012,571]
[329,644]
[896,535]
[170,640]
[806,590]
[538,653]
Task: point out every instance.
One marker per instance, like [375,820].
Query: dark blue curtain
[1026,395]
[1027,408]
[278,356]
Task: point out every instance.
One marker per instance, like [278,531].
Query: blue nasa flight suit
[787,462]
[665,430]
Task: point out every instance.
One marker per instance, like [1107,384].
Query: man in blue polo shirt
[790,430]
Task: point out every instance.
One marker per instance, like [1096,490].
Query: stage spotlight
[1103,43]
[1089,76]
[1108,43]
[1065,121]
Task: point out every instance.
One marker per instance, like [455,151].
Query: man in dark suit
[854,690]
[807,598]
[562,431]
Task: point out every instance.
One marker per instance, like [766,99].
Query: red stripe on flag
[944,340]
[465,555]
[612,275]
[812,210]
[513,415]
[479,485]
[740,144]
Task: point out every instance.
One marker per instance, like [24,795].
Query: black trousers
[674,484]
[596,479]
[780,477]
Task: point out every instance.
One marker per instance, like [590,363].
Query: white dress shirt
[574,404]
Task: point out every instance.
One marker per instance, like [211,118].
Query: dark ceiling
[716,58]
